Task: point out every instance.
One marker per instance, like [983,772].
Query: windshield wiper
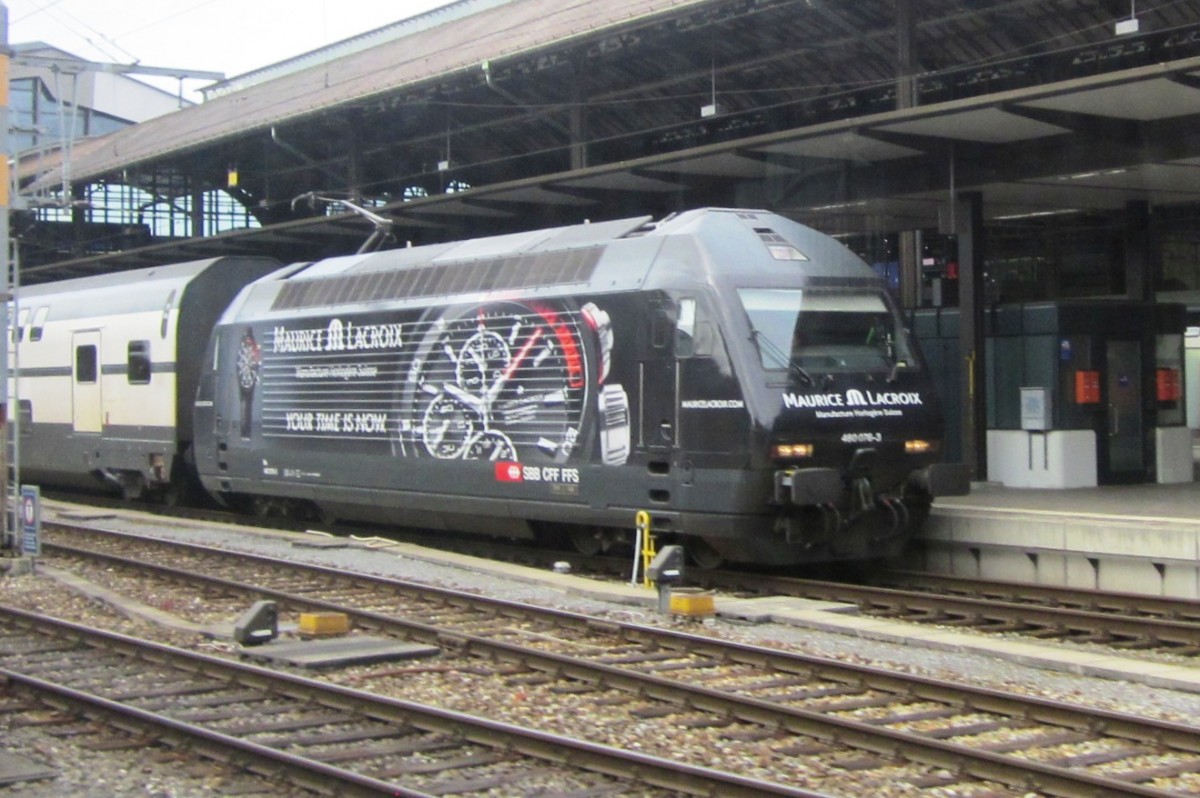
[778,356]
[891,355]
[895,372]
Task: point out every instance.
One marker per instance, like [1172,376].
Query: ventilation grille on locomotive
[445,279]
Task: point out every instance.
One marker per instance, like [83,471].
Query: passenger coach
[105,372]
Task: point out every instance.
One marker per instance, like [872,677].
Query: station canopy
[490,116]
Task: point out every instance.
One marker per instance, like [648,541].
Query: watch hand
[513,365]
[547,398]
[527,408]
[468,399]
[480,363]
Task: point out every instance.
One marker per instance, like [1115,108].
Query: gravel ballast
[93,774]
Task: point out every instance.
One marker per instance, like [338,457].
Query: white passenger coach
[104,371]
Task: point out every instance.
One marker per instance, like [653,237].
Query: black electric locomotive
[741,378]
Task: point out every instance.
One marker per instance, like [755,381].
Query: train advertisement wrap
[514,383]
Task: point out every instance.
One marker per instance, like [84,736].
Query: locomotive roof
[709,243]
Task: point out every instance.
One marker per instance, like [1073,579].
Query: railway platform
[1131,538]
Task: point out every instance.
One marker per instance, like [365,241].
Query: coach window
[138,362]
[39,323]
[25,416]
[85,363]
[22,320]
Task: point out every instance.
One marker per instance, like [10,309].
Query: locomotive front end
[855,433]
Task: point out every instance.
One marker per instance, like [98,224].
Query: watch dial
[491,445]
[447,428]
[503,381]
[483,358]
[249,359]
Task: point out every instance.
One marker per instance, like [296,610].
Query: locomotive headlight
[919,446]
[790,450]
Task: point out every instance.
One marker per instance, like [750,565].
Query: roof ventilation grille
[444,279]
[779,247]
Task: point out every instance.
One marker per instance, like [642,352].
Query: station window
[138,362]
[85,363]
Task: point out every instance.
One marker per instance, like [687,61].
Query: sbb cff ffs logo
[508,472]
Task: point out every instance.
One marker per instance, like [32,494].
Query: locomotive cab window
[138,362]
[685,328]
[85,363]
[825,331]
[694,335]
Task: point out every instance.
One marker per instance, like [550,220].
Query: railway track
[330,738]
[1122,621]
[1133,605]
[871,726]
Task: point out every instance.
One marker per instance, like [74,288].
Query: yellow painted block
[695,603]
[324,624]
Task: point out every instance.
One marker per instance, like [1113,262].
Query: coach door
[85,382]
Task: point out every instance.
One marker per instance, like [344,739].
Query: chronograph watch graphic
[249,366]
[504,381]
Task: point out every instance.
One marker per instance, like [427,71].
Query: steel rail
[922,606]
[1138,604]
[582,754]
[945,754]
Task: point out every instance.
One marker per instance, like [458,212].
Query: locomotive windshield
[825,331]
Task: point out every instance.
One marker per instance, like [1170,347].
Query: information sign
[31,520]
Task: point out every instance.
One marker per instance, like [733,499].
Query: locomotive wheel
[133,488]
[702,554]
[321,516]
[172,494]
[268,507]
[587,540]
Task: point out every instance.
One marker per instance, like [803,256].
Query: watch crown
[601,324]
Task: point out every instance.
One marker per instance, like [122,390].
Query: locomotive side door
[658,384]
[86,409]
